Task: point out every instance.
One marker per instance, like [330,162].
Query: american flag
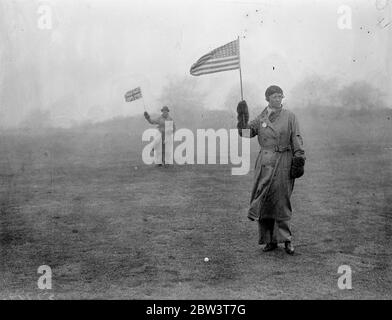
[224,58]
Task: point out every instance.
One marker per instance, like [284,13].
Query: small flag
[133,94]
[224,58]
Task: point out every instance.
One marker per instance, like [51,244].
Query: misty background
[78,72]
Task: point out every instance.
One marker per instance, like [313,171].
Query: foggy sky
[97,50]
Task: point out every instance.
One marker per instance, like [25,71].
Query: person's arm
[243,118]
[298,163]
[148,118]
[297,145]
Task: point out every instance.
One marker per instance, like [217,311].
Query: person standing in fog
[163,142]
[280,161]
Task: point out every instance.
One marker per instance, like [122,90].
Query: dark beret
[271,90]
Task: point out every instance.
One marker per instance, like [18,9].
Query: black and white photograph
[167,150]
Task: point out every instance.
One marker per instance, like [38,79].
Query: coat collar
[271,119]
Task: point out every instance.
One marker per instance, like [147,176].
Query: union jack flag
[133,94]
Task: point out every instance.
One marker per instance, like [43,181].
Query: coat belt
[276,148]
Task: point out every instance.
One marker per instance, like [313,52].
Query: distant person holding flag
[163,141]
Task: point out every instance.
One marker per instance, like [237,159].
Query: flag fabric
[224,58]
[133,94]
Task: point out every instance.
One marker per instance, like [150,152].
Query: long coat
[280,139]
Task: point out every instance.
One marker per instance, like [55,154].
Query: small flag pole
[144,106]
[239,55]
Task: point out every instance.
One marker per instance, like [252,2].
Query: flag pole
[144,106]
[239,55]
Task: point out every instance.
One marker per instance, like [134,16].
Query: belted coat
[279,139]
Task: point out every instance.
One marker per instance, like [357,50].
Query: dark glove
[297,167]
[146,115]
[242,114]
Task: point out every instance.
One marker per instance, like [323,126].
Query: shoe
[289,248]
[270,246]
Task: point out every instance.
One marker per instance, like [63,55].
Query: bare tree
[315,91]
[361,95]
[37,119]
[184,98]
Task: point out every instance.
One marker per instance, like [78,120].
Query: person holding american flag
[281,158]
[280,161]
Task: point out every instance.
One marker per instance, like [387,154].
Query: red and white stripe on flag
[133,94]
[224,58]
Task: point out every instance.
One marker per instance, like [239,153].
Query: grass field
[109,226]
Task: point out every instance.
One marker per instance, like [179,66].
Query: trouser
[162,150]
[274,231]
